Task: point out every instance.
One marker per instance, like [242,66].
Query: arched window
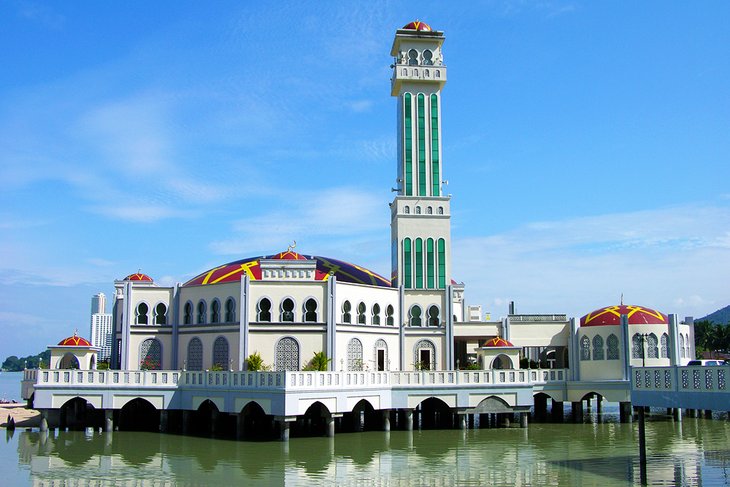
[287,354]
[427,57]
[150,354]
[686,346]
[418,210]
[263,310]
[424,356]
[361,313]
[310,310]
[429,210]
[585,348]
[346,308]
[637,347]
[415,315]
[215,311]
[612,345]
[381,355]
[230,310]
[681,346]
[389,320]
[375,319]
[433,316]
[598,347]
[665,345]
[652,346]
[287,309]
[412,57]
[220,353]
[354,354]
[201,312]
[441,210]
[195,355]
[407,210]
[141,314]
[188,313]
[160,314]
[68,361]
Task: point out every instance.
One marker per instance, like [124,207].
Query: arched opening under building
[434,413]
[255,423]
[139,415]
[78,413]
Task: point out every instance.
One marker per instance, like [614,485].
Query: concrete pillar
[523,420]
[331,427]
[471,420]
[505,421]
[677,414]
[462,421]
[691,413]
[163,421]
[186,416]
[386,420]
[599,404]
[577,411]
[108,420]
[409,419]
[284,430]
[240,426]
[214,422]
[624,409]
[44,420]
[557,410]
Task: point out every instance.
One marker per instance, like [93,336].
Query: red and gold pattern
[611,315]
[75,341]
[497,342]
[138,277]
[326,267]
[418,25]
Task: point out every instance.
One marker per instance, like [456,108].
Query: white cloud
[675,260]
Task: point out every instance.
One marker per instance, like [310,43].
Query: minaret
[420,213]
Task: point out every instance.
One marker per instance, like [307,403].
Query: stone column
[557,410]
[44,420]
[386,420]
[108,420]
[163,420]
[523,420]
[186,415]
[677,414]
[331,427]
[409,419]
[284,430]
[625,412]
[462,421]
[240,426]
[577,411]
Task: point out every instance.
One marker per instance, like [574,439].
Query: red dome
[611,315]
[497,342]
[288,255]
[75,341]
[138,277]
[417,25]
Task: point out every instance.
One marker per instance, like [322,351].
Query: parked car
[705,363]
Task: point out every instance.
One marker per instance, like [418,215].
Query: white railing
[115,378]
[538,318]
[291,380]
[681,379]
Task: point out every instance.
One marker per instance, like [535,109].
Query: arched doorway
[69,361]
[502,361]
[434,413]
[139,415]
[256,425]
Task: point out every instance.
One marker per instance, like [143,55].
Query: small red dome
[497,342]
[75,341]
[418,25]
[138,277]
[611,315]
[288,255]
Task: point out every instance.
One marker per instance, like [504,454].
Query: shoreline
[23,417]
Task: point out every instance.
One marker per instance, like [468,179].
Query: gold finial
[622,299]
[292,246]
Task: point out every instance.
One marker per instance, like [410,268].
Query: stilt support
[109,420]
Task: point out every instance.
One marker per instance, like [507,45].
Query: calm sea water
[694,452]
[10,385]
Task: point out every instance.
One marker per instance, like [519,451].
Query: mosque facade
[287,306]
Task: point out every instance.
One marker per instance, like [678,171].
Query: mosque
[286,306]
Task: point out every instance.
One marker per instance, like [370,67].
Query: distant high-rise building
[101,326]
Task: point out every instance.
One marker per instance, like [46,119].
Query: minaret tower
[420,213]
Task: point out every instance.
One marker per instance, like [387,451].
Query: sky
[586,145]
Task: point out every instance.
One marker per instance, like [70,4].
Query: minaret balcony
[422,73]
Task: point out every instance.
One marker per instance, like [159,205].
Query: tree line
[16,364]
[711,337]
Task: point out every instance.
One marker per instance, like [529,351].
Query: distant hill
[719,317]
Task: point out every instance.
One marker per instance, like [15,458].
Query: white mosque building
[287,306]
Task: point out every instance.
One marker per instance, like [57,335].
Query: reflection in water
[696,452]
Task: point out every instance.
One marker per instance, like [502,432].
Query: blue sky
[586,146]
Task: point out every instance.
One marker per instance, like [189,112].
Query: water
[695,452]
[10,385]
